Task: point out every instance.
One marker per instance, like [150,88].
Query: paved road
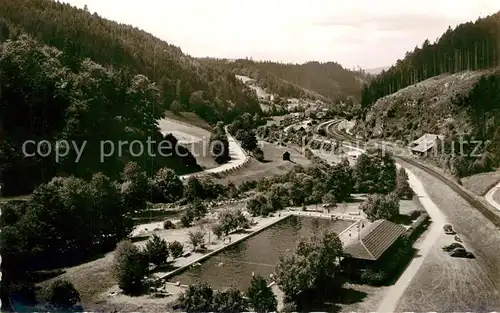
[396,291]
[489,196]
[237,154]
[394,294]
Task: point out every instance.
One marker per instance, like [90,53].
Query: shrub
[218,230]
[197,209]
[197,239]
[168,224]
[373,277]
[197,298]
[258,154]
[381,207]
[61,294]
[157,250]
[186,219]
[260,296]
[176,249]
[129,267]
[289,307]
[169,185]
[230,300]
[258,206]
[403,189]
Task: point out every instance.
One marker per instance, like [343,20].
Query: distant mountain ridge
[315,80]
[214,94]
[450,87]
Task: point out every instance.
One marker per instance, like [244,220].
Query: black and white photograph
[249,156]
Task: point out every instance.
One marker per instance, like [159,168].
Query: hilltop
[450,87]
[185,83]
[314,80]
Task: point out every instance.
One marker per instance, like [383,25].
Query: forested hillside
[329,80]
[42,99]
[451,87]
[470,46]
[214,94]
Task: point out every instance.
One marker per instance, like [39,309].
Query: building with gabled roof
[374,240]
[423,144]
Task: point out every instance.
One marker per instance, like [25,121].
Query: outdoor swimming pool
[259,253]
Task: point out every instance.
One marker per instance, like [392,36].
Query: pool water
[258,254]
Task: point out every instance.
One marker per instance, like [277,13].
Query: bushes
[260,297]
[61,295]
[381,207]
[197,298]
[195,211]
[168,224]
[157,250]
[258,154]
[201,298]
[258,206]
[168,185]
[403,189]
[229,301]
[230,220]
[176,249]
[197,239]
[129,267]
[375,171]
[373,277]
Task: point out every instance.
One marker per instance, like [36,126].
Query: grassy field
[480,184]
[272,165]
[193,136]
[189,118]
[450,284]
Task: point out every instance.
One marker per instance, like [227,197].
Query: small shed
[286,156]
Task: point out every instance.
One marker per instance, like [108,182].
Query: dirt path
[424,247]
[490,196]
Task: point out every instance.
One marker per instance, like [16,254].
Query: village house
[424,144]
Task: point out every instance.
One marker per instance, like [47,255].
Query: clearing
[194,138]
[273,164]
[481,183]
[189,118]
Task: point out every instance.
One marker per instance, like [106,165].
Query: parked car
[452,247]
[461,253]
[448,229]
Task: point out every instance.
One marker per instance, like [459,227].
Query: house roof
[374,240]
[425,142]
[286,152]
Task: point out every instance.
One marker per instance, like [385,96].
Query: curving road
[489,196]
[238,158]
[393,295]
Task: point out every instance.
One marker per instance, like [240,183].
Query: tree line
[470,46]
[320,81]
[44,99]
[214,94]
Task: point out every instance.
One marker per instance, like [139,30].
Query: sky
[353,33]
